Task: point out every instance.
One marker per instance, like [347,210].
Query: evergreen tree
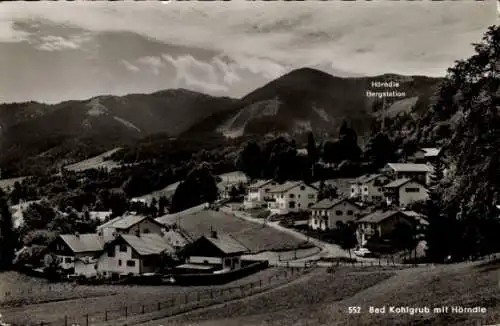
[8,238]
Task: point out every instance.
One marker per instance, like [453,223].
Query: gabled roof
[227,244]
[260,183]
[126,222]
[431,151]
[366,178]
[409,167]
[147,243]
[328,203]
[83,242]
[289,185]
[399,183]
[421,218]
[378,216]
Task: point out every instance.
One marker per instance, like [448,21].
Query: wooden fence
[180,303]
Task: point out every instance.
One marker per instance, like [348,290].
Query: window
[123,248]
[338,213]
[310,204]
[412,189]
[131,263]
[310,196]
[352,189]
[145,230]
[298,195]
[119,262]
[291,204]
[302,188]
[366,188]
[350,213]
[227,262]
[292,195]
[111,251]
[68,260]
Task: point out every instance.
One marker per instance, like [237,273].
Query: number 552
[354,310]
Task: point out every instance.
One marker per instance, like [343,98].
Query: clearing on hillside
[95,162]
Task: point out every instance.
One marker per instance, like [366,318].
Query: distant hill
[309,99]
[74,130]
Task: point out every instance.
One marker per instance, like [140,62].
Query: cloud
[198,74]
[130,66]
[154,63]
[361,37]
[59,43]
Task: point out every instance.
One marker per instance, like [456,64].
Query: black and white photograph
[249,163]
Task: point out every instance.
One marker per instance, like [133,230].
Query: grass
[321,299]
[117,297]
[287,304]
[95,162]
[254,236]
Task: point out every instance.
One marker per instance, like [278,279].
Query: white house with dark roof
[133,254]
[258,194]
[381,224]
[129,224]
[215,252]
[326,213]
[292,196]
[431,153]
[76,252]
[369,187]
[415,171]
[402,192]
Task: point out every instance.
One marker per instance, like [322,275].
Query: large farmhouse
[327,214]
[292,196]
[129,224]
[403,192]
[133,254]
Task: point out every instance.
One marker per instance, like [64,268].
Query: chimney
[77,235]
[213,234]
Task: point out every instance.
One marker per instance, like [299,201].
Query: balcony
[273,205]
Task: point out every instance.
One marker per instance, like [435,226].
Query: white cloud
[197,74]
[268,37]
[59,43]
[130,66]
[154,63]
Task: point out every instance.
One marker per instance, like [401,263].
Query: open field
[95,162]
[256,237]
[285,305]
[6,184]
[168,192]
[321,300]
[115,297]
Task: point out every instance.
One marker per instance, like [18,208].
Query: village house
[216,252]
[327,213]
[380,224]
[228,181]
[129,224]
[292,196]
[403,192]
[258,194]
[135,254]
[431,154]
[369,188]
[415,171]
[76,253]
[421,220]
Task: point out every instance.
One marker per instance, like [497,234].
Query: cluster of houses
[376,203]
[137,245]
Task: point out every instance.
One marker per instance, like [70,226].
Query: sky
[56,51]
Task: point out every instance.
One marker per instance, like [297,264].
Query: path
[328,250]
